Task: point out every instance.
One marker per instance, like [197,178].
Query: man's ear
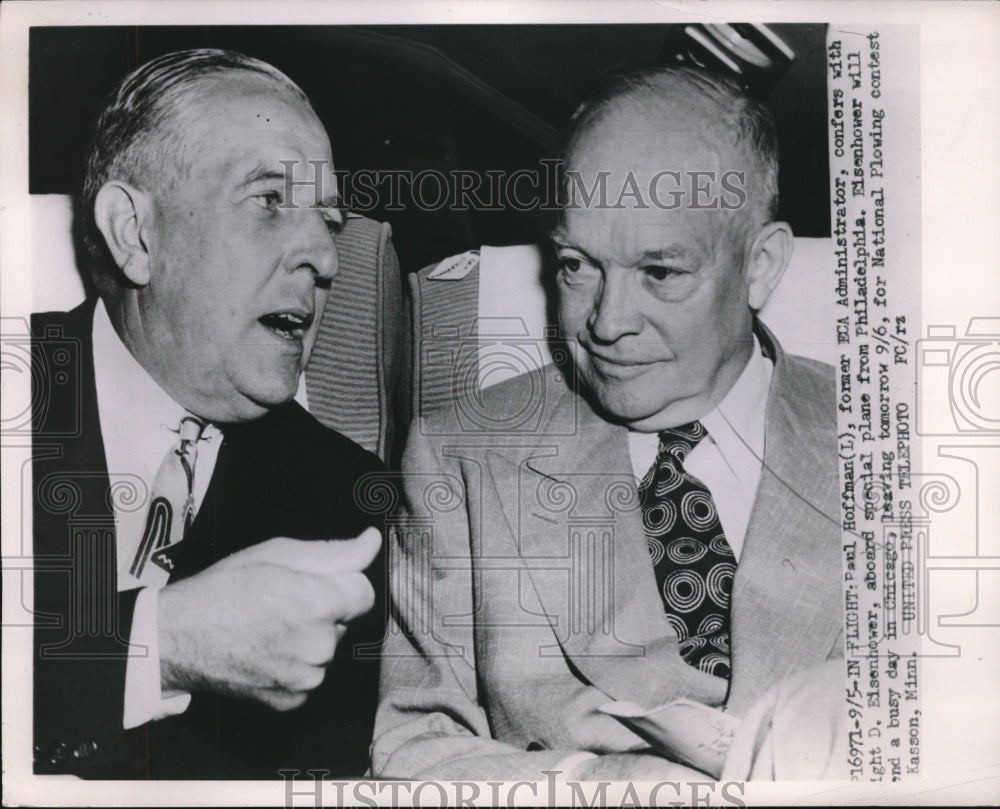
[123,214]
[770,252]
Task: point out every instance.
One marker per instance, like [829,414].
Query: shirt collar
[735,426]
[135,412]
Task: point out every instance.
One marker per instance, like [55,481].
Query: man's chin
[268,398]
[637,409]
[251,402]
[618,404]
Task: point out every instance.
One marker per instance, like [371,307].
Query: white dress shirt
[138,427]
[730,458]
[728,461]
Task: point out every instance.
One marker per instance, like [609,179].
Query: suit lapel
[573,510]
[68,448]
[786,606]
[235,511]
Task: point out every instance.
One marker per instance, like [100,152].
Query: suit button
[84,750]
[57,753]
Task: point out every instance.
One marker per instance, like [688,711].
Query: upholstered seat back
[357,377]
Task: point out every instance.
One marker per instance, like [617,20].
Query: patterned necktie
[693,562]
[171,507]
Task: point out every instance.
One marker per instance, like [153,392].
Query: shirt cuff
[145,701]
[565,765]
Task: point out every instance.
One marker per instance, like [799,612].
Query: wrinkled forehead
[232,121]
[666,163]
[628,237]
[645,135]
[251,103]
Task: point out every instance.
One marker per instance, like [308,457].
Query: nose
[314,249]
[615,313]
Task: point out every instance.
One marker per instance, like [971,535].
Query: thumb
[316,556]
[352,554]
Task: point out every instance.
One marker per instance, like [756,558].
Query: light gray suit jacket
[524,596]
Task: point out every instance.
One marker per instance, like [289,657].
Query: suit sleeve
[79,686]
[430,722]
[81,623]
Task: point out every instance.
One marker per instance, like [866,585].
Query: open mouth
[289,325]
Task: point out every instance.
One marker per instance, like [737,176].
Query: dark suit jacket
[282,475]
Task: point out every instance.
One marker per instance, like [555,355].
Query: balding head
[141,135]
[667,245]
[680,119]
[214,199]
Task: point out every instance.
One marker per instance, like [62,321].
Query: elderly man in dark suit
[636,573]
[217,619]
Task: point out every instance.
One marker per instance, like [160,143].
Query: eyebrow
[258,173]
[559,240]
[262,172]
[665,253]
[673,252]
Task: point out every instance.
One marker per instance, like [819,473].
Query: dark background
[471,97]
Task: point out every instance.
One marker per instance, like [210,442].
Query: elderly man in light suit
[540,585]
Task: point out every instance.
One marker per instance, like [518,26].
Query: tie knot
[190,429]
[679,441]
